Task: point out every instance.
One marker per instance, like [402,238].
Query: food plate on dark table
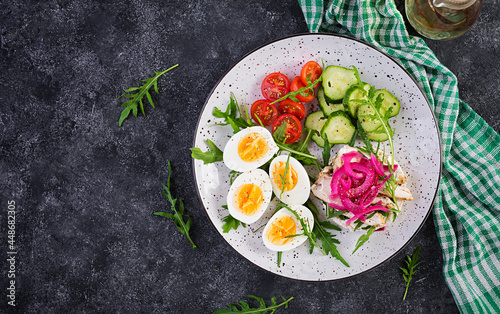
[416,147]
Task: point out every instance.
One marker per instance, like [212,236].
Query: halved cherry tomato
[296,84]
[293,127]
[292,107]
[313,69]
[274,86]
[263,112]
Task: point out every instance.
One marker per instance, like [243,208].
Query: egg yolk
[248,199]
[252,147]
[280,228]
[291,177]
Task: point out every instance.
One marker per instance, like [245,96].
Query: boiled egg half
[249,195]
[290,184]
[249,149]
[283,224]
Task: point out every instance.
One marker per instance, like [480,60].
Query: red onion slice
[377,165]
[347,164]
[364,212]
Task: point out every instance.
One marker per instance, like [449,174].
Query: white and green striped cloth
[467,208]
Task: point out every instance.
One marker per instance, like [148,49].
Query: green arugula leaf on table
[136,99]
[412,263]
[178,215]
[214,154]
[244,307]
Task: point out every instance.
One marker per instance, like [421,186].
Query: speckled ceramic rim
[435,125]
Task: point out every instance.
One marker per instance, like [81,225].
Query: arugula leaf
[327,151]
[230,223]
[233,175]
[303,91]
[285,175]
[412,263]
[136,99]
[231,116]
[363,238]
[214,154]
[262,309]
[299,149]
[328,242]
[328,225]
[376,105]
[306,229]
[178,215]
[279,134]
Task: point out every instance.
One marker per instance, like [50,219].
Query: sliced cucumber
[336,81]
[326,107]
[389,101]
[338,128]
[316,121]
[378,135]
[365,115]
[352,98]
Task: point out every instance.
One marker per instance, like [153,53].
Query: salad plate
[416,144]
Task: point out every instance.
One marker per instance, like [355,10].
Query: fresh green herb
[279,258]
[136,99]
[232,175]
[303,91]
[214,154]
[363,238]
[328,225]
[298,149]
[412,263]
[359,223]
[335,213]
[262,309]
[307,230]
[376,105]
[230,223]
[256,230]
[178,215]
[327,151]
[284,176]
[328,241]
[279,134]
[231,115]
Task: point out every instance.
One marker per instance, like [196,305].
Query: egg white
[300,193]
[303,213]
[232,159]
[258,177]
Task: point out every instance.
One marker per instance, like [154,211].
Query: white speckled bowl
[417,147]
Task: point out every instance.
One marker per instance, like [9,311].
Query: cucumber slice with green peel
[316,121]
[336,81]
[353,99]
[366,118]
[338,128]
[378,135]
[389,101]
[325,106]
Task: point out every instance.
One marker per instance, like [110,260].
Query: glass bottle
[442,19]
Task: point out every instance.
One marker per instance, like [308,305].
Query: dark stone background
[85,189]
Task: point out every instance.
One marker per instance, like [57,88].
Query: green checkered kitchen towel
[467,208]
